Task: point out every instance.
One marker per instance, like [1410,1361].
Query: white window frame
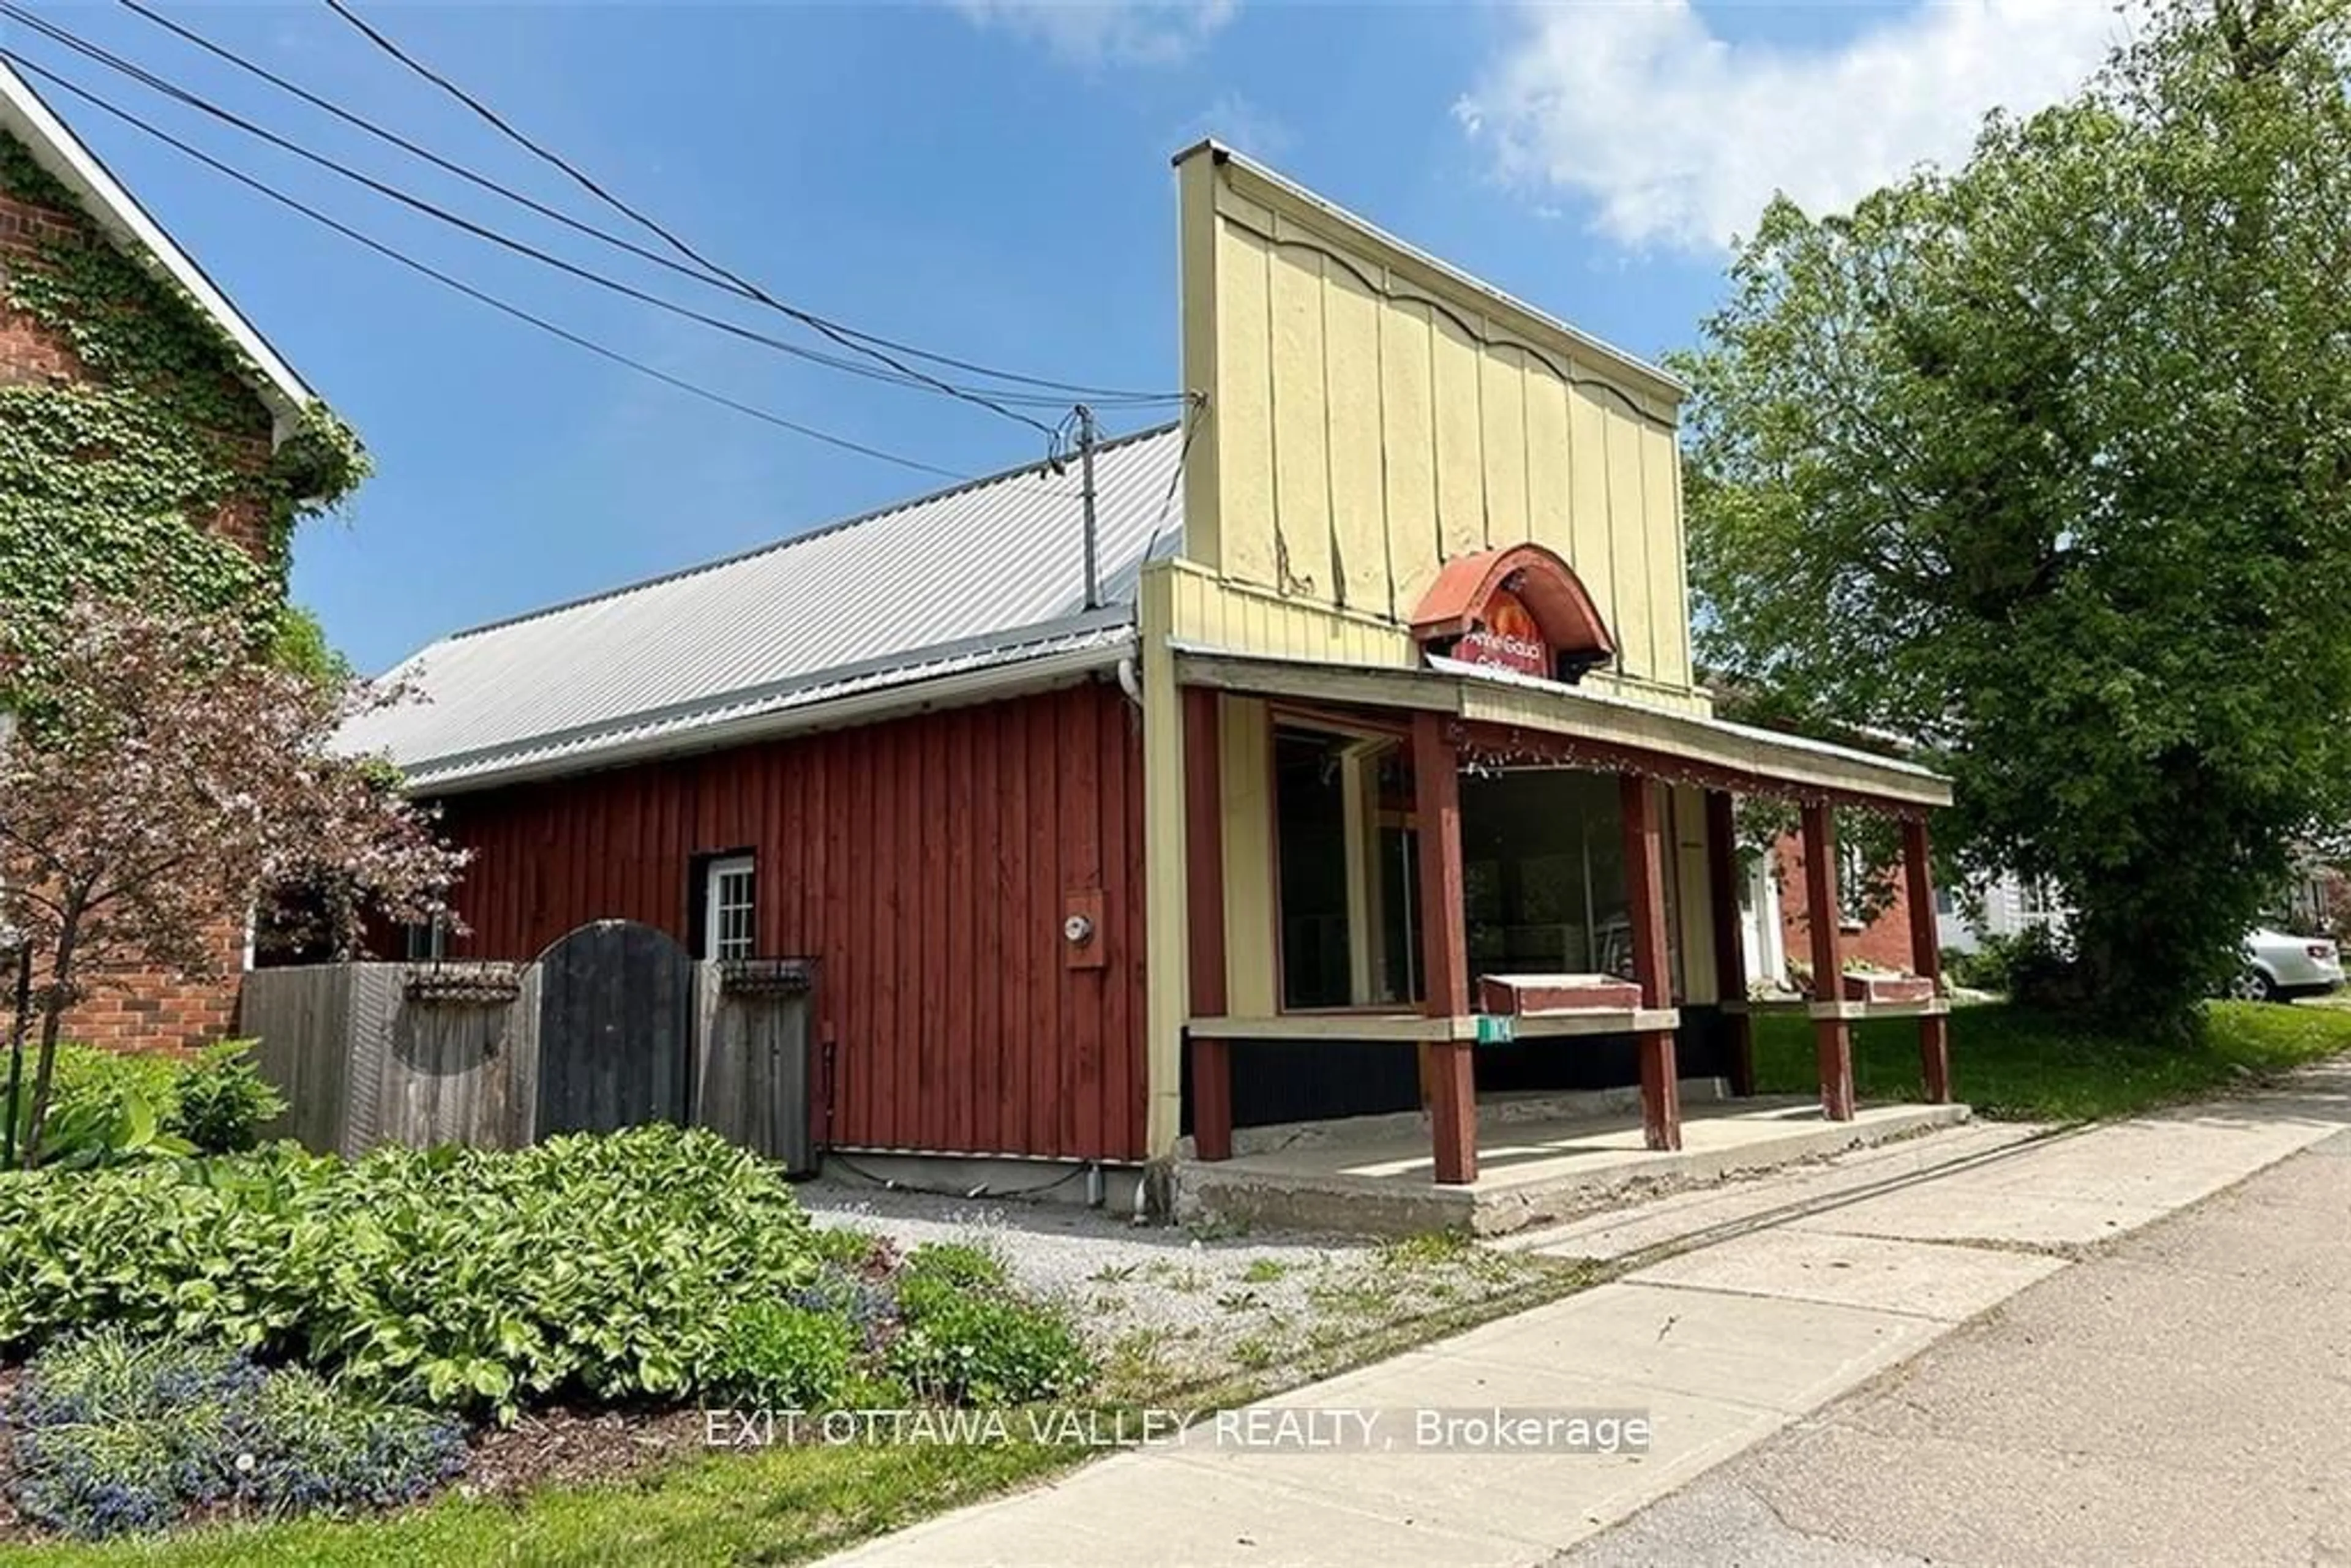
[422,941]
[717,941]
[1852,886]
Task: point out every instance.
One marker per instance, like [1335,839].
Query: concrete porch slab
[1531,1172]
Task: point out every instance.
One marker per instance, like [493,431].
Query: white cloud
[1108,32]
[1676,136]
[1239,122]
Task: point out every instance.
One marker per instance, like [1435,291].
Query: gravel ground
[1169,1308]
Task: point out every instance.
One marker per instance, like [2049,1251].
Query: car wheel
[2253,985]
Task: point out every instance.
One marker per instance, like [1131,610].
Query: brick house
[54,198]
[1881,942]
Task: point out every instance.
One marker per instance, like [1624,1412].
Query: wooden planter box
[1888,988]
[1518,995]
[477,985]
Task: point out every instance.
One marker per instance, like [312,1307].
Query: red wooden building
[1379,717]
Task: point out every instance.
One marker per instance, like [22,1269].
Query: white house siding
[1761,938]
[2003,915]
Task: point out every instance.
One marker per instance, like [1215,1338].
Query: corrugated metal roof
[988,575]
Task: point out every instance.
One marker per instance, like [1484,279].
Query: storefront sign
[1506,637]
[1519,609]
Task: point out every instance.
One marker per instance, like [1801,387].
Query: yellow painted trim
[1693,896]
[1332,1026]
[1196,230]
[1357,802]
[1256,195]
[1569,714]
[1572,1021]
[1166,925]
[1250,933]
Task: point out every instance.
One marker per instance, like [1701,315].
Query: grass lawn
[780,1505]
[2020,1065]
[792,1504]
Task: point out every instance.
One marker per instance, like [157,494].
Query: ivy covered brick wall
[137,460]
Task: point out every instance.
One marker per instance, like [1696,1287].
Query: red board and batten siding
[926,863]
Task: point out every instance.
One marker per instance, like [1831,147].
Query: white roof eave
[115,211]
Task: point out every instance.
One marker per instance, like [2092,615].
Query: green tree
[2046,461]
[162,780]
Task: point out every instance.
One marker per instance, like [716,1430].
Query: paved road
[2163,1378]
[2183,1396]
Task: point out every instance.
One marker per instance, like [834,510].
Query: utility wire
[1196,412]
[847,337]
[517,311]
[577,225]
[855,342]
[457,220]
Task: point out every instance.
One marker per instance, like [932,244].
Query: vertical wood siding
[926,864]
[1372,417]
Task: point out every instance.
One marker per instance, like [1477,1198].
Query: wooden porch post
[1831,1034]
[1926,960]
[1730,961]
[1445,949]
[1644,885]
[1204,897]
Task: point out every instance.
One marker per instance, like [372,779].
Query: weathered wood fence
[610,1027]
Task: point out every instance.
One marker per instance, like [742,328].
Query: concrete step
[1531,1171]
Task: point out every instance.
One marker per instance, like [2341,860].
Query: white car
[2279,965]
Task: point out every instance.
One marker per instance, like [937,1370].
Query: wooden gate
[615,1029]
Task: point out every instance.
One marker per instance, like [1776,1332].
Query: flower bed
[115,1433]
[377,1303]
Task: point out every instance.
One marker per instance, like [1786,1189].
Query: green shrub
[222,1099]
[939,1271]
[2028,964]
[957,1264]
[848,1248]
[604,1265]
[211,1102]
[987,1349]
[782,1356]
[109,1079]
[115,1433]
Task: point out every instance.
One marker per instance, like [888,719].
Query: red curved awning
[1456,604]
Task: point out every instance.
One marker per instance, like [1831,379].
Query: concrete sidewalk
[2179,1398]
[1772,1317]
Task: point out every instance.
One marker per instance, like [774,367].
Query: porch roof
[1518,717]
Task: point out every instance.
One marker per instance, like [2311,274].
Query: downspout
[1130,681]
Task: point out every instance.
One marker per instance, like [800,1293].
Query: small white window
[1853,885]
[2034,901]
[427,940]
[730,917]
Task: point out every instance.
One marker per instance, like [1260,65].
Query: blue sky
[989,178]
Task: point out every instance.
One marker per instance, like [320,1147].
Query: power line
[1194,412]
[482,231]
[840,332]
[858,342]
[446,165]
[579,226]
[482,296]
